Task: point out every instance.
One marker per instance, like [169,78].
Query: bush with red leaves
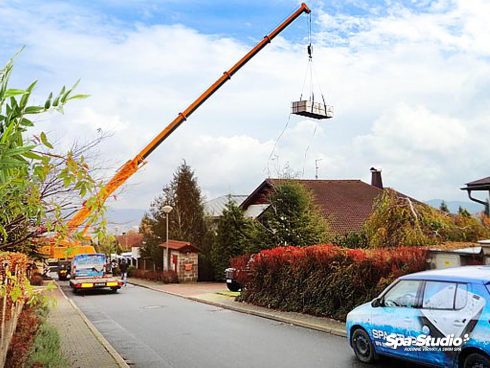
[23,338]
[166,277]
[36,279]
[325,280]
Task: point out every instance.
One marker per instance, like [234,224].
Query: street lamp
[166,209]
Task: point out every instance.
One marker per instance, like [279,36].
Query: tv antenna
[317,167]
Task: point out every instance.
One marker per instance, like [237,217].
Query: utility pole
[317,167]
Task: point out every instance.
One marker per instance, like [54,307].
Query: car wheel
[362,345]
[233,286]
[476,360]
[114,290]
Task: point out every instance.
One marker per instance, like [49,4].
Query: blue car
[437,318]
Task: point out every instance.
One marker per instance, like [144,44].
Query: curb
[271,316]
[110,349]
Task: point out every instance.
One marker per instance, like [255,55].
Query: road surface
[154,329]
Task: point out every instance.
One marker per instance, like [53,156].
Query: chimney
[376,180]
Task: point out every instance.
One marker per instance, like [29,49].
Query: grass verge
[46,350]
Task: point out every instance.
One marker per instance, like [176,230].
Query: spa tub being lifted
[312,109]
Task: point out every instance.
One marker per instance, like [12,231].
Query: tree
[186,220]
[234,235]
[399,221]
[291,219]
[463,212]
[444,208]
[28,164]
[151,242]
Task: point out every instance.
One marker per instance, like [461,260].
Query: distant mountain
[123,219]
[453,206]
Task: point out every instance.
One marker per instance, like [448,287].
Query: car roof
[478,274]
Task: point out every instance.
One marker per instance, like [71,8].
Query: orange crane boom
[131,166]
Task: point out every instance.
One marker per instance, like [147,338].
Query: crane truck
[63,250]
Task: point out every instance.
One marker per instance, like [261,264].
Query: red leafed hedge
[166,277]
[325,280]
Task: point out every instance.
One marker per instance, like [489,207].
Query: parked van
[438,318]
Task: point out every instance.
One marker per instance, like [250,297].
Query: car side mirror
[377,302]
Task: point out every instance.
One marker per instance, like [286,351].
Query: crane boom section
[130,167]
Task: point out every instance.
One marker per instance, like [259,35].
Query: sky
[409,82]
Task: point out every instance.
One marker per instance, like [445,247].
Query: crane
[132,166]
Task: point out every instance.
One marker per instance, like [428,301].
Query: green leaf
[32,155]
[47,104]
[78,97]
[45,141]
[33,109]
[14,92]
[26,122]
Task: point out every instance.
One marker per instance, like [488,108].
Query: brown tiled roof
[181,246]
[346,203]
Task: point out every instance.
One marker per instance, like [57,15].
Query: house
[480,185]
[345,203]
[183,259]
[214,208]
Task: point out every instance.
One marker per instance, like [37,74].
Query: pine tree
[463,212]
[444,208]
[233,237]
[291,219]
[186,220]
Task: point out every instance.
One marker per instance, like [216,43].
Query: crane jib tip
[305,8]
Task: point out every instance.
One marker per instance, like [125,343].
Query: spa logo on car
[421,342]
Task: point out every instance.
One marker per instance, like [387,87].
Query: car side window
[444,295]
[402,294]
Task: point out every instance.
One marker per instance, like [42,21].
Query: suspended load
[312,109]
[309,107]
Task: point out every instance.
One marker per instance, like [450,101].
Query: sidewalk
[82,346]
[207,293]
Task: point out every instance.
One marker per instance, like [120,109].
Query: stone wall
[187,267]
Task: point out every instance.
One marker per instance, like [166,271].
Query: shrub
[36,279]
[22,340]
[131,270]
[166,277]
[325,280]
[399,220]
[46,351]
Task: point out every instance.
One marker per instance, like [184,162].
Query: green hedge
[325,280]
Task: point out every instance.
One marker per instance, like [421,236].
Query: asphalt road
[153,329]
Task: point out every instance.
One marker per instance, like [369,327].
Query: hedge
[14,292]
[166,277]
[324,280]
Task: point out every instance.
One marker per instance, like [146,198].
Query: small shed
[451,255]
[183,259]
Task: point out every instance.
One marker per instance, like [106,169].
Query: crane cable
[310,70]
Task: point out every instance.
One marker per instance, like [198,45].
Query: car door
[397,314]
[449,309]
